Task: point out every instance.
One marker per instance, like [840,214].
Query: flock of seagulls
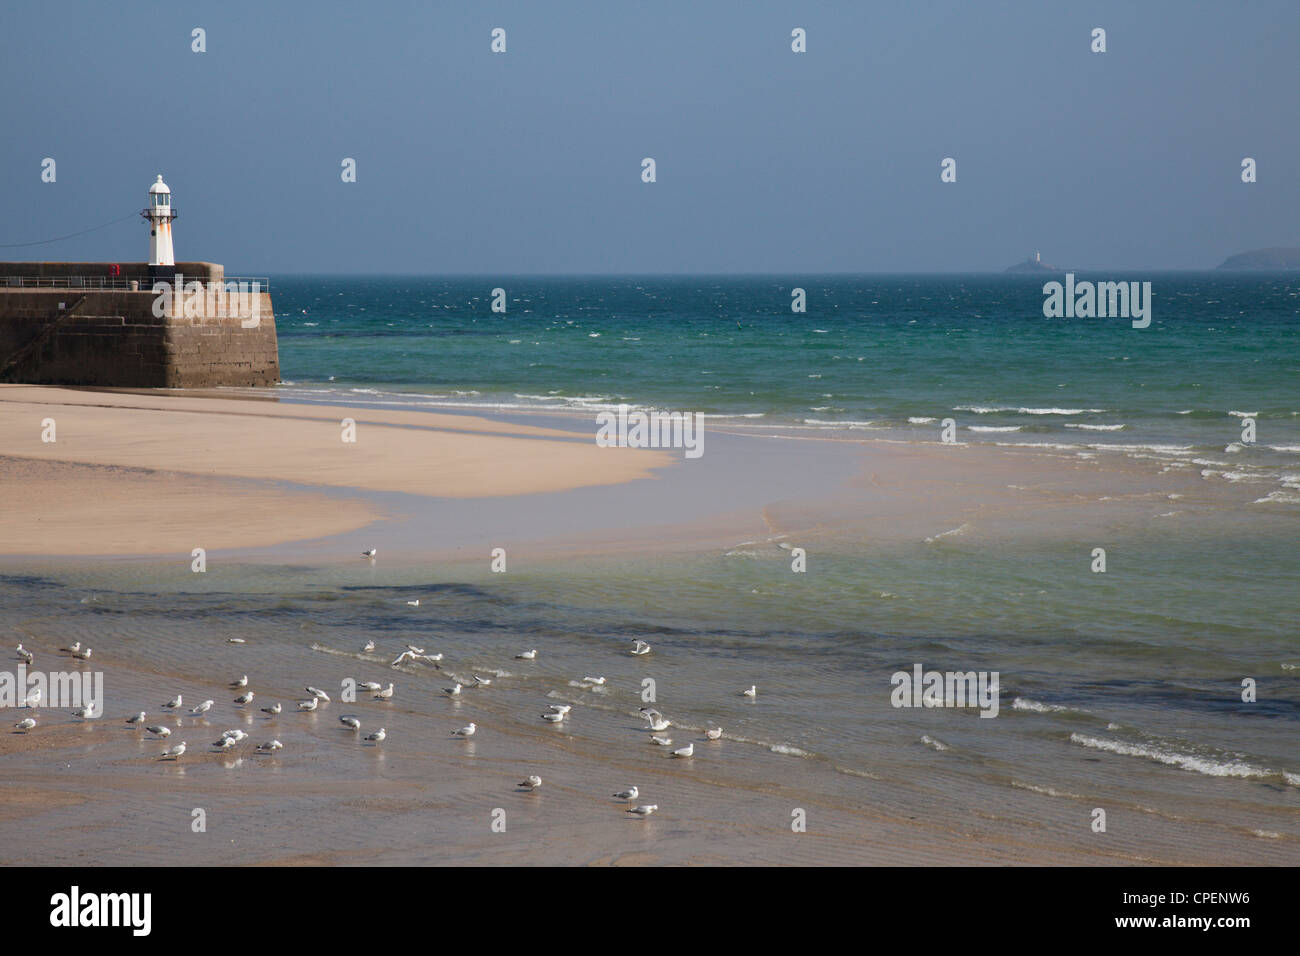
[657,723]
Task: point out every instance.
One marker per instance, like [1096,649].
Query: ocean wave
[1096,428]
[993,428]
[994,409]
[962,529]
[921,420]
[1208,766]
[933,743]
[1024,703]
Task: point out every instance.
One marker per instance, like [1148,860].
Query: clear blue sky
[768,161]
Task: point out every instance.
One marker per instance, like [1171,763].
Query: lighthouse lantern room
[159,213]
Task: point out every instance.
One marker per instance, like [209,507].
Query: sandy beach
[605,545]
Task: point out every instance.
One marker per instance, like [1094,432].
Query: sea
[1165,690]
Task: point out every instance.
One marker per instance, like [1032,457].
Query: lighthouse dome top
[159,186]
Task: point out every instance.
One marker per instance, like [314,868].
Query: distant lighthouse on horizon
[159,213]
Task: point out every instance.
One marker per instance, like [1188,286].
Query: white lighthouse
[160,215]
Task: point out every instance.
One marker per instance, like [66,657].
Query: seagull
[71,650]
[415,650]
[349,721]
[658,724]
[466,731]
[594,680]
[240,682]
[137,718]
[645,809]
[649,713]
[370,646]
[527,655]
[236,640]
[32,699]
[244,698]
[174,703]
[631,793]
[87,711]
[386,693]
[482,681]
[203,708]
[378,735]
[532,782]
[431,658]
[83,655]
[370,685]
[24,653]
[270,747]
[553,717]
[415,603]
[641,648]
[308,704]
[369,553]
[662,741]
[225,743]
[317,692]
[713,733]
[402,657]
[273,709]
[752,692]
[26,724]
[687,751]
[174,752]
[160,731]
[561,708]
[452,691]
[233,734]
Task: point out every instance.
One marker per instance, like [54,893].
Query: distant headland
[1276,259]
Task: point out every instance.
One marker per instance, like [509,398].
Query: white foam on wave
[933,743]
[920,420]
[1024,703]
[993,409]
[962,529]
[1202,765]
[993,428]
[1096,428]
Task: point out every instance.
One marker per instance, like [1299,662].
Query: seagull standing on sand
[160,731]
[317,692]
[527,655]
[452,691]
[174,703]
[378,735]
[687,751]
[173,752]
[386,693]
[631,793]
[466,731]
[240,682]
[84,712]
[137,718]
[273,709]
[202,709]
[308,704]
[23,653]
[645,809]
[752,692]
[270,747]
[532,782]
[552,717]
[83,655]
[25,724]
[658,724]
[244,698]
[71,650]
[347,720]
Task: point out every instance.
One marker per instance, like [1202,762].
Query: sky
[767,160]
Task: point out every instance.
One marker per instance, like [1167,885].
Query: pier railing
[118,282]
